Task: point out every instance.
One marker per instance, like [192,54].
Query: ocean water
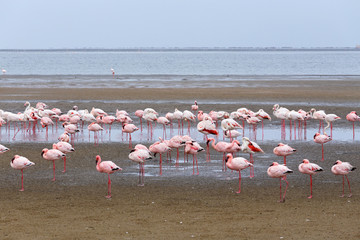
[244,63]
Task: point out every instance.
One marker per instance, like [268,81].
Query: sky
[46,24]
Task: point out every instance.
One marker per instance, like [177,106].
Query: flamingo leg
[252,174]
[322,152]
[177,158]
[287,184]
[239,182]
[349,186]
[197,166]
[22,181]
[160,165]
[109,187]
[284,160]
[193,164]
[53,170]
[280,192]
[343,186]
[353,130]
[64,158]
[310,187]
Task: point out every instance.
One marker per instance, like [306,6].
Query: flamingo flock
[97,119]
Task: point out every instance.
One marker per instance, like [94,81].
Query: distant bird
[353,117]
[3,71]
[106,167]
[237,164]
[113,72]
[52,155]
[20,163]
[194,107]
[309,168]
[343,168]
[283,150]
[277,170]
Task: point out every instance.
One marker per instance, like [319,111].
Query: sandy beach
[182,206]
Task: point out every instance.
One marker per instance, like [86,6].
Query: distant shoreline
[190,49]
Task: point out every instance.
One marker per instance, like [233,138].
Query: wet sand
[180,206]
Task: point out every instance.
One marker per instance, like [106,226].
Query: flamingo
[107,120]
[65,148]
[309,168]
[194,107]
[250,147]
[280,171]
[3,71]
[129,128]
[20,163]
[159,147]
[353,117]
[331,118]
[322,138]
[189,117]
[207,127]
[140,156]
[261,114]
[94,127]
[281,112]
[163,121]
[319,115]
[220,147]
[52,155]
[65,137]
[178,115]
[139,114]
[294,115]
[237,164]
[113,72]
[106,167]
[97,111]
[176,142]
[343,168]
[229,124]
[232,134]
[253,121]
[192,147]
[283,150]
[3,149]
[45,122]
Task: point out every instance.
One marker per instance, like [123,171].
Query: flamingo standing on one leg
[20,163]
[163,121]
[353,117]
[280,171]
[129,128]
[237,164]
[343,168]
[52,155]
[309,168]
[94,127]
[331,118]
[322,138]
[250,147]
[283,150]
[64,147]
[261,114]
[140,156]
[106,167]
[139,114]
[319,115]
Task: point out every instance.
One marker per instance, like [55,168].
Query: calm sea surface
[181,62]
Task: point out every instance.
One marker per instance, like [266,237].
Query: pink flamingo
[140,156]
[353,117]
[163,121]
[94,127]
[237,164]
[193,148]
[65,148]
[3,149]
[207,127]
[343,168]
[330,118]
[281,113]
[108,120]
[229,124]
[65,137]
[113,72]
[129,128]
[232,134]
[261,114]
[220,147]
[250,147]
[159,147]
[176,142]
[20,163]
[194,107]
[189,117]
[277,170]
[139,114]
[309,168]
[322,138]
[294,115]
[97,111]
[106,167]
[45,122]
[319,115]
[52,155]
[283,150]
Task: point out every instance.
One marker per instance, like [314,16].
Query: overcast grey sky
[30,24]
